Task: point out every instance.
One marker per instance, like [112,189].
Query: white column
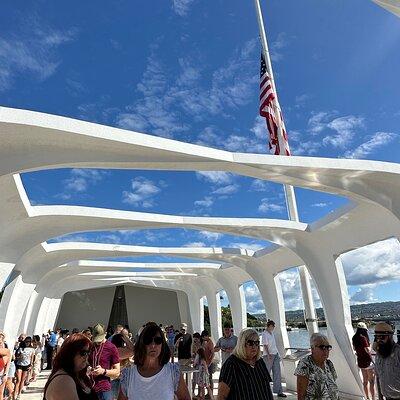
[237,304]
[12,306]
[184,311]
[214,311]
[271,293]
[330,281]
[196,307]
[309,308]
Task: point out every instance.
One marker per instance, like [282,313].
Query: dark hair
[65,358]
[227,325]
[23,345]
[270,322]
[117,340]
[196,335]
[205,333]
[37,338]
[148,332]
[201,353]
[357,336]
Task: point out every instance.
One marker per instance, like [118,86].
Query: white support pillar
[271,293]
[330,281]
[237,304]
[196,307]
[184,311]
[309,308]
[12,306]
[214,311]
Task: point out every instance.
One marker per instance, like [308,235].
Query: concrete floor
[35,390]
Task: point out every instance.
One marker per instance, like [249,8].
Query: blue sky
[188,70]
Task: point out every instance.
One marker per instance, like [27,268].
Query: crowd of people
[98,364]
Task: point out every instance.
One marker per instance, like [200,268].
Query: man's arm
[112,373]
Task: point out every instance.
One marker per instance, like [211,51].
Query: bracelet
[105,372]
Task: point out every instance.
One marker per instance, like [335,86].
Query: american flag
[267,111]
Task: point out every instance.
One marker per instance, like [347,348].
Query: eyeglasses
[156,340]
[83,353]
[324,347]
[252,343]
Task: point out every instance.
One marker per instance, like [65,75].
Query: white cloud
[318,121]
[247,246]
[373,264]
[32,53]
[365,294]
[278,45]
[195,244]
[226,190]
[142,192]
[206,202]
[216,177]
[254,302]
[165,98]
[379,139]
[211,236]
[267,206]
[259,185]
[319,205]
[181,7]
[79,182]
[301,100]
[345,128]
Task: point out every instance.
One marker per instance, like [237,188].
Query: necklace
[97,355]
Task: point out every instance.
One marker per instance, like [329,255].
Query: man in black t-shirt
[183,342]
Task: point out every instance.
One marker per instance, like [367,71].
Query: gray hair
[317,338]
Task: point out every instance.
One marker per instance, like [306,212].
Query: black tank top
[82,395]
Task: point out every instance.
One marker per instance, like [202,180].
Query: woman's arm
[182,393]
[223,391]
[302,384]
[4,352]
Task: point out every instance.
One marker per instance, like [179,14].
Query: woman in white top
[152,377]
[23,362]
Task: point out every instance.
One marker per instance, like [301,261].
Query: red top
[363,358]
[105,355]
[2,365]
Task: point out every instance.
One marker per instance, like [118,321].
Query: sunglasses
[252,343]
[324,347]
[156,340]
[83,353]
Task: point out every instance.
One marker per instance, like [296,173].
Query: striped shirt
[246,382]
[388,371]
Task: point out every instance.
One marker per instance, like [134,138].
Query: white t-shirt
[23,357]
[268,339]
[161,386]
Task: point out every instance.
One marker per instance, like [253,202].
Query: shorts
[23,367]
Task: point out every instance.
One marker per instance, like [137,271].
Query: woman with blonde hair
[244,375]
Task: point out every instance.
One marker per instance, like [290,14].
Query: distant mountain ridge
[388,310]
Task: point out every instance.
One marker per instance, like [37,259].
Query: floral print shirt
[321,382]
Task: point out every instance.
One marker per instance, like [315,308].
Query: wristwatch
[105,372]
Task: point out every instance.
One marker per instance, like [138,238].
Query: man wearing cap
[104,360]
[183,342]
[387,361]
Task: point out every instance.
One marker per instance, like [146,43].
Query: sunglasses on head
[252,342]
[83,353]
[156,340]
[324,347]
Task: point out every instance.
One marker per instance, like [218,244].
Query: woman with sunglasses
[69,379]
[244,375]
[316,375]
[152,377]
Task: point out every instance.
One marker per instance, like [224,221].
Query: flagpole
[291,204]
